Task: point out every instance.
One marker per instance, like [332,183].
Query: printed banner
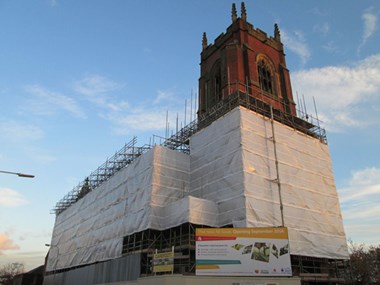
[243,252]
[163,262]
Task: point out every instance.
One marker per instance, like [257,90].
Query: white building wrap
[229,178]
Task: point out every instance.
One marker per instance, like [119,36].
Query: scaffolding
[122,158]
[180,141]
[321,270]
[147,242]
[306,123]
[182,239]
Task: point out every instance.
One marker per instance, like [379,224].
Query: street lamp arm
[18,174]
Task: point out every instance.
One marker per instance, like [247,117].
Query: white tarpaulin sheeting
[229,179]
[310,200]
[233,164]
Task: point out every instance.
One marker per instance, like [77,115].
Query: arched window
[215,87]
[265,77]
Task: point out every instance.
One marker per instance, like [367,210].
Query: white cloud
[367,176]
[117,107]
[99,90]
[23,134]
[94,85]
[319,12]
[52,3]
[39,154]
[46,102]
[95,88]
[11,198]
[331,47]
[6,243]
[323,28]
[360,201]
[296,42]
[124,118]
[138,120]
[362,186]
[341,91]
[20,131]
[363,233]
[370,25]
[163,96]
[146,116]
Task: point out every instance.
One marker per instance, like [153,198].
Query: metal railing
[306,123]
[119,160]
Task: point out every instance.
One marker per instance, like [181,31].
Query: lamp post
[18,174]
[52,245]
[55,267]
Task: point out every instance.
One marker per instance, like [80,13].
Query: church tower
[247,164]
[245,60]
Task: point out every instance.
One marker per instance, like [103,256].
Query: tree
[9,271]
[365,263]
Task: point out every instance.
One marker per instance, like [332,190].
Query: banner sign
[243,252]
[163,262]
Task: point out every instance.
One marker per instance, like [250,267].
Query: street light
[18,174]
[55,266]
[52,245]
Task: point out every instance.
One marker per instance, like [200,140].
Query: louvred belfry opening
[245,60]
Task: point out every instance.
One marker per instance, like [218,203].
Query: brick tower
[247,60]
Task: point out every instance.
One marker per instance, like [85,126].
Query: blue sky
[78,79]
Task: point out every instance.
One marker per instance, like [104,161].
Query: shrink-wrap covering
[230,178]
